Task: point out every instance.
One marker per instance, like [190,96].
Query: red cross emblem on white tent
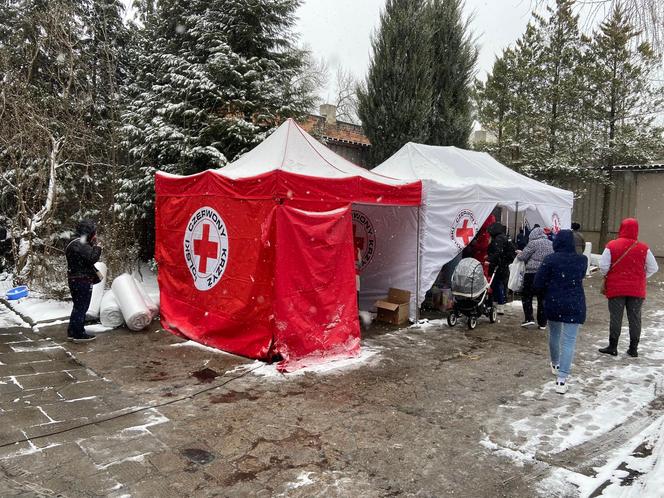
[465,232]
[464,228]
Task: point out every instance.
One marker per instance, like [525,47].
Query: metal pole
[516,219]
[417,281]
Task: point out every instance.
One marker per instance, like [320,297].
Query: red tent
[257,258]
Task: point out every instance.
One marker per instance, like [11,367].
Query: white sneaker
[527,323]
[500,308]
[561,387]
[542,328]
[555,369]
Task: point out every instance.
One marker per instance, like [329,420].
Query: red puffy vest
[628,276]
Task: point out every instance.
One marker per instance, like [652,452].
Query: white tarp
[460,190]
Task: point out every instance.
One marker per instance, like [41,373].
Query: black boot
[632,351]
[611,349]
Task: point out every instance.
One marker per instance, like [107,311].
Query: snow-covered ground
[606,393]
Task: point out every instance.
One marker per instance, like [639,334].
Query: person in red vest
[479,246]
[626,263]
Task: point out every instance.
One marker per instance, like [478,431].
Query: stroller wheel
[493,314]
[452,319]
[472,322]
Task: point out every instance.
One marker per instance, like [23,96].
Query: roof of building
[655,166]
[339,131]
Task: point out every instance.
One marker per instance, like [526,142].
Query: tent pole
[516,219]
[417,281]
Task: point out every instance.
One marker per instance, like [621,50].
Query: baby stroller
[471,294]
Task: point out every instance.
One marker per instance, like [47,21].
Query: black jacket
[501,252]
[82,255]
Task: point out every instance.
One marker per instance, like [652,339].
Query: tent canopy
[459,169]
[258,258]
[460,190]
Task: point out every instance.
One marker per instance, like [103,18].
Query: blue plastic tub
[17,293]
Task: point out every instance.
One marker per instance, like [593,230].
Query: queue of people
[554,273]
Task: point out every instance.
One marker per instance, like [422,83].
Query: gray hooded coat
[538,248]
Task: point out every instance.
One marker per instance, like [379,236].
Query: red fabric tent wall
[315,294]
[246,284]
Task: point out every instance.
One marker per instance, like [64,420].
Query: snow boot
[633,352]
[611,349]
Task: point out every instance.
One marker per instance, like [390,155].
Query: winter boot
[632,351]
[611,349]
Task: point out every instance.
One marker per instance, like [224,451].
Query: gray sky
[340,30]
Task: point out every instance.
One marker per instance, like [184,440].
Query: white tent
[460,190]
[385,229]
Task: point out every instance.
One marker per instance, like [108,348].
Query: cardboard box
[395,307]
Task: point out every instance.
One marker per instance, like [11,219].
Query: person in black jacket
[500,255]
[560,278]
[82,253]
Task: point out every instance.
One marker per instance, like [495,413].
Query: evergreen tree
[211,80]
[622,101]
[394,103]
[454,56]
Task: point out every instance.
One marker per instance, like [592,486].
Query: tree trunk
[606,209]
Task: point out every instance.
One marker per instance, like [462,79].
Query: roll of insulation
[136,314]
[149,302]
[109,311]
[97,292]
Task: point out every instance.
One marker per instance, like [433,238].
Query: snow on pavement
[605,392]
[41,310]
[10,319]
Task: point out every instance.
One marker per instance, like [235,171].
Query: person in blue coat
[560,279]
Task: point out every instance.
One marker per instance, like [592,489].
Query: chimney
[329,112]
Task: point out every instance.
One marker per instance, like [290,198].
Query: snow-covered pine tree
[394,102]
[211,80]
[454,55]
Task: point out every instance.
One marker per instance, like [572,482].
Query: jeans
[499,294]
[562,341]
[617,307]
[527,295]
[81,293]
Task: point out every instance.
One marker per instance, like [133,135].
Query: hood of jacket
[537,233]
[86,228]
[564,241]
[496,229]
[629,229]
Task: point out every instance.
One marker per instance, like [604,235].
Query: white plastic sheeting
[149,302]
[97,292]
[136,314]
[460,190]
[109,311]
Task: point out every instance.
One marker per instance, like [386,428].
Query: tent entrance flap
[314,290]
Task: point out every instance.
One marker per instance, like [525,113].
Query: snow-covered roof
[292,149]
[453,168]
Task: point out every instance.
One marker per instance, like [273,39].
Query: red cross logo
[205,249]
[465,232]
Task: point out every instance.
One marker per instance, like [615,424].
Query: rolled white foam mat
[136,314]
[97,292]
[109,311]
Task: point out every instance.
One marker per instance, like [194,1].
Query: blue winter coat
[560,278]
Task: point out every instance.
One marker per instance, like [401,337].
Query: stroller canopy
[468,279]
